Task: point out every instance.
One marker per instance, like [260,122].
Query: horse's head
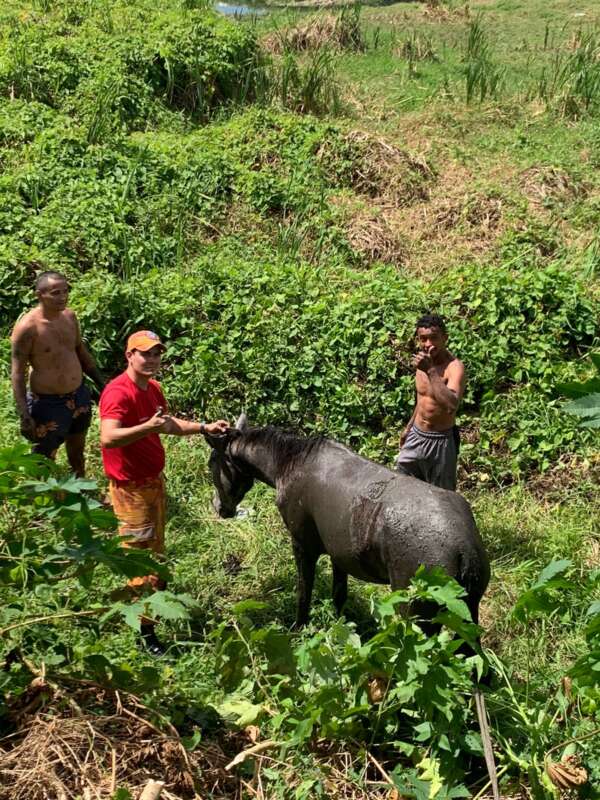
[230,478]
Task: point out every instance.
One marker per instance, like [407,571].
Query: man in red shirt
[132,418]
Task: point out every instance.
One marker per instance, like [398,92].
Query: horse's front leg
[306,562]
[339,588]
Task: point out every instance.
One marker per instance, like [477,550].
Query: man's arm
[113,434]
[21,346]
[448,395]
[185,427]
[88,365]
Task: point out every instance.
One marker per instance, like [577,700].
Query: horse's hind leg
[339,588]
[306,562]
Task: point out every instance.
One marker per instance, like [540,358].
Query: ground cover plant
[280,198]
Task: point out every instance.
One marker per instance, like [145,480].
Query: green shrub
[299,346]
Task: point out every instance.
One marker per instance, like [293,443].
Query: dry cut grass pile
[381,170]
[86,741]
[323,30]
[89,741]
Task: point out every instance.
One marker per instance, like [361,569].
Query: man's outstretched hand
[217,428]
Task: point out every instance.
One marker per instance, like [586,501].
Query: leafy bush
[48,572]
[250,331]
[400,689]
[193,62]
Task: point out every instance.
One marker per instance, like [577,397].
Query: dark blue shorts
[58,416]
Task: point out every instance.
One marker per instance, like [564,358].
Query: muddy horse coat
[374,524]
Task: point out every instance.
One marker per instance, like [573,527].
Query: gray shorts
[430,456]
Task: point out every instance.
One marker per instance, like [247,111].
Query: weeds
[572,83]
[415,48]
[483,77]
[309,87]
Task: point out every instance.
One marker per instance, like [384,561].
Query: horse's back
[434,527]
[380,525]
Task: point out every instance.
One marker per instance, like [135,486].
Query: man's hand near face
[422,361]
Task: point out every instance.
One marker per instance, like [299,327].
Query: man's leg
[445,472]
[80,409]
[75,444]
[51,424]
[411,459]
[141,514]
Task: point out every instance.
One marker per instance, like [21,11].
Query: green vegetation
[279,199]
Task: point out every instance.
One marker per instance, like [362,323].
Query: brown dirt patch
[438,11]
[87,741]
[435,219]
[453,219]
[569,473]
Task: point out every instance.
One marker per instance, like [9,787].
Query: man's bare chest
[55,339]
[423,382]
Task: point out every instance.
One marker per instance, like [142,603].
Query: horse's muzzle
[223,511]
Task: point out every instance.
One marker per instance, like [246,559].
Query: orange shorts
[141,511]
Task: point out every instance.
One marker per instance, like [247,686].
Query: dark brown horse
[374,524]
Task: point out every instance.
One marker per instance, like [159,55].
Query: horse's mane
[288,448]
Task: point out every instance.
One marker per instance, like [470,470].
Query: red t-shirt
[122,399]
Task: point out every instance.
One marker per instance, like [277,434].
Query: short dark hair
[43,279]
[431,321]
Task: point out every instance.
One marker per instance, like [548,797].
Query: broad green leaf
[538,598]
[550,571]
[423,732]
[167,605]
[588,406]
[239,711]
[131,614]
[248,605]
[191,742]
[591,423]
[576,389]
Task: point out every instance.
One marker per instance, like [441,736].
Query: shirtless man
[47,340]
[429,443]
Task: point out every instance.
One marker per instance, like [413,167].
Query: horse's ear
[220,441]
[242,422]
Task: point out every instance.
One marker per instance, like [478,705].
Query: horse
[375,524]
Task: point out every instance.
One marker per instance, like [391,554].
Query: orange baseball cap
[143,340]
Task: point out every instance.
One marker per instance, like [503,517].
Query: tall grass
[483,78]
[349,31]
[102,116]
[571,84]
[417,47]
[309,87]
